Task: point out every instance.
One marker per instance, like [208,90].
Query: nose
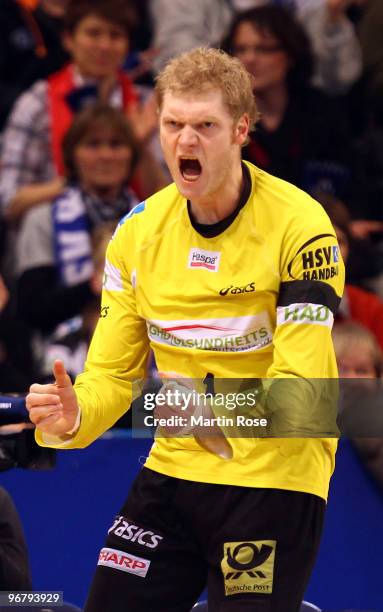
[106,152]
[104,42]
[188,137]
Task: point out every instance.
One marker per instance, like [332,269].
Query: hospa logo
[205,260]
[125,562]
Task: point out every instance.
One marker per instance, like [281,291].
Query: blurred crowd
[79,148]
[79,144]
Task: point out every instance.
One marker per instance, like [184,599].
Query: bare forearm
[32,195]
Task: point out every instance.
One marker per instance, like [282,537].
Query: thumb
[61,377]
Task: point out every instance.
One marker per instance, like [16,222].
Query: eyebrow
[201,119]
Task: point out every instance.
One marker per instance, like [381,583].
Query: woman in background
[301,136]
[56,270]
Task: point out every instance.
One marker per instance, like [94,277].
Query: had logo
[207,260]
[248,566]
[125,562]
[311,314]
[232,290]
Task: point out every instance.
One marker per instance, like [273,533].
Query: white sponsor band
[235,334]
[112,277]
[125,562]
[312,314]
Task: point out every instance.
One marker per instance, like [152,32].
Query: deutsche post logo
[248,566]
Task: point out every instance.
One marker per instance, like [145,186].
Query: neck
[222,203]
[272,105]
[107,194]
[109,81]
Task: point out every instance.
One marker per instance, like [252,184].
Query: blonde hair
[349,335]
[204,69]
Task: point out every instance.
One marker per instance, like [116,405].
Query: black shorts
[253,548]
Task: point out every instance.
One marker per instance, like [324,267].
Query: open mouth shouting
[190,168]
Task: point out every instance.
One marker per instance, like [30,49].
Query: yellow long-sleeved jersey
[257,300]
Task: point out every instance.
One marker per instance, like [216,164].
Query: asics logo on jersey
[231,289]
[206,260]
[104,312]
[129,531]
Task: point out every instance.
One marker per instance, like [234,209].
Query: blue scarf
[74,215]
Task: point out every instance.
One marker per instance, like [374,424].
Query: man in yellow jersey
[228,273]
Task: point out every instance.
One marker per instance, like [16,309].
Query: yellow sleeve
[118,353]
[312,282]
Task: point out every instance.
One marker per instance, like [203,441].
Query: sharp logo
[125,562]
[206,260]
[232,290]
[248,566]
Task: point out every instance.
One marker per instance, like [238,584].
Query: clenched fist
[53,408]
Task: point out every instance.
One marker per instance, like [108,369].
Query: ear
[241,130]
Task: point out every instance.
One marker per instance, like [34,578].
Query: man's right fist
[53,408]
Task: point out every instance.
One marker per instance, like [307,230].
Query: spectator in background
[97,38]
[57,276]
[366,109]
[335,44]
[301,136]
[181,25]
[357,351]
[14,566]
[139,63]
[359,357]
[30,47]
[357,304]
[16,366]
[370,29]
[72,347]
